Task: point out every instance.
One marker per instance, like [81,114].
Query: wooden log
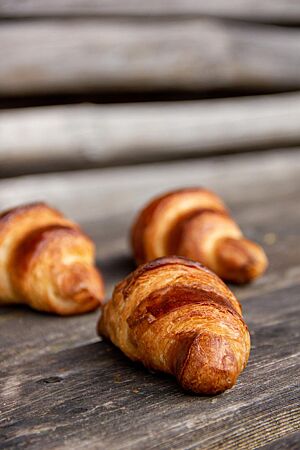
[279,11]
[87,56]
[50,138]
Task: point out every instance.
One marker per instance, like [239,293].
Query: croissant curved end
[209,367]
[240,260]
[79,286]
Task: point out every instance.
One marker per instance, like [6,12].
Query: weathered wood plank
[26,335]
[92,396]
[280,11]
[41,139]
[98,55]
[289,442]
[261,189]
[108,193]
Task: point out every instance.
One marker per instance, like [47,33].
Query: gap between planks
[279,11]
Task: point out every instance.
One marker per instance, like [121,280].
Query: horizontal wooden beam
[99,55]
[280,11]
[68,137]
[101,194]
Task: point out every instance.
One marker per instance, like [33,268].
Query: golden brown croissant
[195,223]
[176,316]
[47,262]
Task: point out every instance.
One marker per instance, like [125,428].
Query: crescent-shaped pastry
[47,262]
[175,316]
[194,223]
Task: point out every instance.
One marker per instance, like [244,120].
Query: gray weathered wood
[92,396]
[64,137]
[280,11]
[84,56]
[62,388]
[106,194]
[290,442]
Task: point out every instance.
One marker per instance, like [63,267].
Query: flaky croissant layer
[175,316]
[47,262]
[195,223]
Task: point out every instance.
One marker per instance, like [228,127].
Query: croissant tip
[210,366]
[87,295]
[81,302]
[80,286]
[240,260]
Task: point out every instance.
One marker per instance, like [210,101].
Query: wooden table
[62,387]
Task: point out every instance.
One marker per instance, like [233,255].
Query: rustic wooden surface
[81,55]
[78,136]
[61,387]
[278,11]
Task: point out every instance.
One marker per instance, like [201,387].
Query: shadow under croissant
[21,309]
[115,269]
[150,378]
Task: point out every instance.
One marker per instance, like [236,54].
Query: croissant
[174,315]
[47,262]
[195,223]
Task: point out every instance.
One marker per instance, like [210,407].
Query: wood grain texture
[84,393]
[97,55]
[50,138]
[290,442]
[106,401]
[279,11]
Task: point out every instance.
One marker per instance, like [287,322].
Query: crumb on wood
[270,238]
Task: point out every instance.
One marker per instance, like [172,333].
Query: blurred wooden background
[104,104]
[94,83]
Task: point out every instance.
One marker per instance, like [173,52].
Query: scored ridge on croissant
[47,262]
[175,316]
[194,223]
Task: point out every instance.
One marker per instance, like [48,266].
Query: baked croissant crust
[47,262]
[194,223]
[174,315]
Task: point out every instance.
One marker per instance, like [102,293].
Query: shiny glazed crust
[47,262]
[175,316]
[194,223]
